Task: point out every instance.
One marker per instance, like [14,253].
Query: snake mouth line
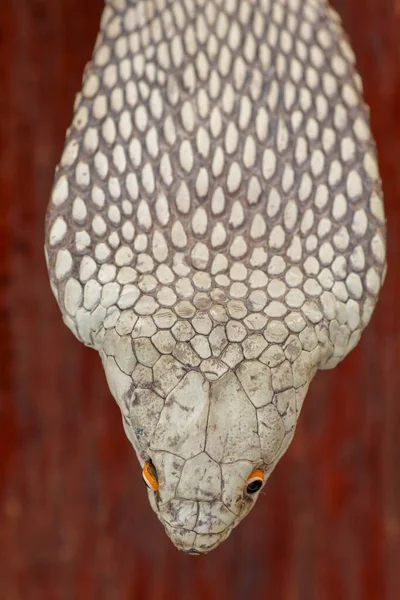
[200,543]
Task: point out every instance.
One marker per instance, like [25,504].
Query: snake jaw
[207,524]
[197,527]
[217,236]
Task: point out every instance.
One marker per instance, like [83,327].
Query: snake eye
[255,481]
[150,476]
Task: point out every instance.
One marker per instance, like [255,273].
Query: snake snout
[196,527]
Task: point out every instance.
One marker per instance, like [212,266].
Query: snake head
[212,444]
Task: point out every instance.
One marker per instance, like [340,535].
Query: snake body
[216,232]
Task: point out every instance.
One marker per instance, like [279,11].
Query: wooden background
[74,517]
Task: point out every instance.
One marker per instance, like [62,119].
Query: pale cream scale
[216,232]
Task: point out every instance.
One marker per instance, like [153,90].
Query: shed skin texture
[216,232]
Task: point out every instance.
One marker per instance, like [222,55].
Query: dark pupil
[254,486]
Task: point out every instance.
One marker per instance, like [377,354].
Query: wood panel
[74,517]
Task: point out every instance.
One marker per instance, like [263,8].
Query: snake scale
[216,232]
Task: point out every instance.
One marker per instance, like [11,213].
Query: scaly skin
[216,231]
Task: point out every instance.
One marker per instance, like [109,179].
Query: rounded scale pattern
[216,231]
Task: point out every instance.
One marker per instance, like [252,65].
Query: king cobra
[216,232]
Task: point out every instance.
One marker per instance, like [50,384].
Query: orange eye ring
[150,476]
[255,481]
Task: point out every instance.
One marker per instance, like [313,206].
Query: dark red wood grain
[74,517]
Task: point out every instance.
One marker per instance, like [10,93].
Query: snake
[216,231]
